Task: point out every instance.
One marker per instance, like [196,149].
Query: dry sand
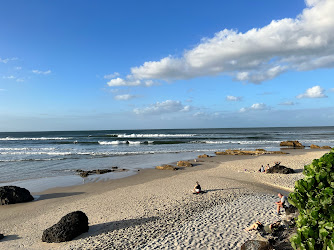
[157,210]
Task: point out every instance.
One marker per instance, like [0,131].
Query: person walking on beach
[283,203]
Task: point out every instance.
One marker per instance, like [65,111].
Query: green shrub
[313,197]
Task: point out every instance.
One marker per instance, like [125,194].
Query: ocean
[40,160]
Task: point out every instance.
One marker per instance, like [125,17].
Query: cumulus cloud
[233,98]
[39,72]
[255,106]
[158,108]
[124,97]
[260,54]
[314,92]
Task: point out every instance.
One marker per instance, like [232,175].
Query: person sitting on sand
[197,188]
[267,168]
[261,169]
[268,228]
[283,203]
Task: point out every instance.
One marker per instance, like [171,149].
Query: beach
[156,209]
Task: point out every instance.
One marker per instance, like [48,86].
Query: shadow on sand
[115,225]
[10,237]
[55,195]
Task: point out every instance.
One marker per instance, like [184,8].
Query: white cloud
[255,106]
[124,97]
[111,76]
[39,72]
[6,60]
[314,92]
[2,90]
[260,54]
[158,108]
[121,82]
[9,77]
[287,103]
[233,98]
[331,90]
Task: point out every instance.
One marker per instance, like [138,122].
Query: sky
[91,65]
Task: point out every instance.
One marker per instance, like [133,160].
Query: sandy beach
[156,209]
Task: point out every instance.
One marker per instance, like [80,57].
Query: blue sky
[87,65]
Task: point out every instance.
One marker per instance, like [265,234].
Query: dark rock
[290,210]
[84,174]
[13,194]
[256,245]
[279,169]
[1,236]
[294,144]
[69,227]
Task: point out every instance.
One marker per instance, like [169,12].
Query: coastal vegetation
[313,197]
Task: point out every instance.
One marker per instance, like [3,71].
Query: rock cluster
[14,194]
[184,164]
[204,156]
[166,167]
[293,144]
[247,152]
[85,173]
[318,147]
[279,169]
[256,244]
[69,227]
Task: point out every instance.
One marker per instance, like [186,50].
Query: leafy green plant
[313,197]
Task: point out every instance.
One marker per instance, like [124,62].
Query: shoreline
[162,201]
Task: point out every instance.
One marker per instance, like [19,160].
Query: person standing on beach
[283,203]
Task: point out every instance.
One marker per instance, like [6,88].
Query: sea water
[39,160]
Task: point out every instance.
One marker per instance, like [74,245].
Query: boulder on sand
[14,194]
[293,144]
[1,236]
[204,156]
[166,167]
[184,164]
[318,147]
[256,244]
[69,227]
[279,169]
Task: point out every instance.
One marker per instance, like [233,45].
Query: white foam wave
[236,142]
[154,135]
[34,138]
[112,142]
[26,149]
[121,142]
[35,153]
